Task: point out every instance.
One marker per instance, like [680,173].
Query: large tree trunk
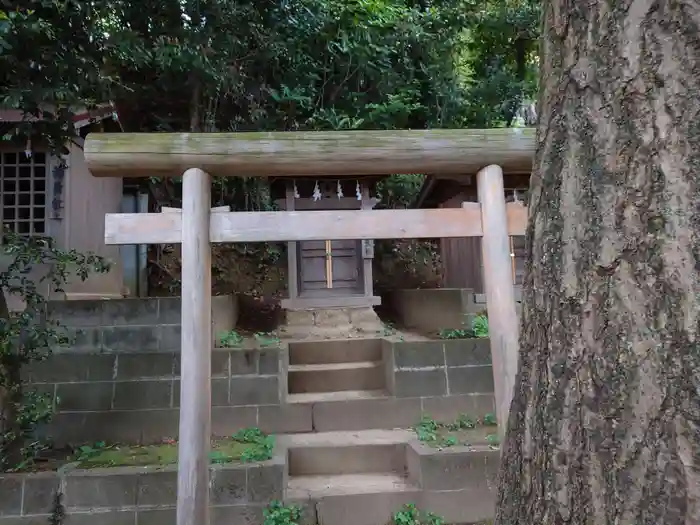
[605,423]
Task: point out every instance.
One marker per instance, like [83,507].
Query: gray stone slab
[265,482]
[225,421]
[417,354]
[219,392]
[38,519]
[461,506]
[116,517]
[228,486]
[460,352]
[169,310]
[155,425]
[132,395]
[458,468]
[448,408]
[244,362]
[254,390]
[40,492]
[69,367]
[470,379]
[65,428]
[219,363]
[101,489]
[414,383]
[146,365]
[269,361]
[83,340]
[157,488]
[361,414]
[131,339]
[10,495]
[237,514]
[76,313]
[285,418]
[120,312]
[84,396]
[114,426]
[169,338]
[156,516]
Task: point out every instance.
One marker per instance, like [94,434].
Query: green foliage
[182,65]
[277,513]
[86,452]
[410,515]
[490,420]
[230,339]
[443,435]
[493,440]
[480,326]
[262,447]
[456,333]
[30,335]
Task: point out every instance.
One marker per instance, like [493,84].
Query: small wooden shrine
[328,273]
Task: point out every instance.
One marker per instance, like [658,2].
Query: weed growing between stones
[479,328]
[234,339]
[249,445]
[58,511]
[458,432]
[230,339]
[277,513]
[410,515]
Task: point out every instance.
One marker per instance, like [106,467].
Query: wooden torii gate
[488,153]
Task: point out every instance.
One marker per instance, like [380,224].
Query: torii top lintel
[312,154]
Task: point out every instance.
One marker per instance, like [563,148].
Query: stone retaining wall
[143,495]
[438,368]
[454,482]
[134,325]
[134,397]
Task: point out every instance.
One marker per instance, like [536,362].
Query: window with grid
[23,182]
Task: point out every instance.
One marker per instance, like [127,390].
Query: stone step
[316,397]
[358,452]
[352,499]
[335,460]
[336,377]
[335,351]
[316,487]
[376,409]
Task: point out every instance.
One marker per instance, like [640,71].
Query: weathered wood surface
[196,337]
[166,228]
[314,153]
[500,293]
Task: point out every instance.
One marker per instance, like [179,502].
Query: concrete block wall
[441,369]
[138,495]
[455,481]
[121,380]
[134,325]
[135,397]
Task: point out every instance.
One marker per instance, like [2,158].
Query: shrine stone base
[331,323]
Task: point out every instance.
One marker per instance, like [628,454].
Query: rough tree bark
[605,423]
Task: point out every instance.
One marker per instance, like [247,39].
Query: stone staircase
[337,369]
[356,468]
